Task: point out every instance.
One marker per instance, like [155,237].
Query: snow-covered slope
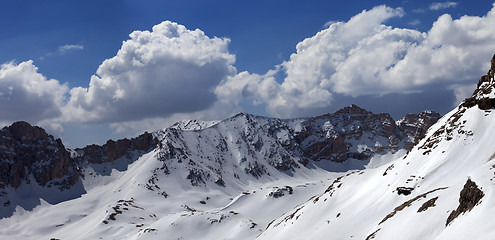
[229,179]
[206,180]
[146,202]
[442,189]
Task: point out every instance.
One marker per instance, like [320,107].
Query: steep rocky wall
[26,150]
[113,150]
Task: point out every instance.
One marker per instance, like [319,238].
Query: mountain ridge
[287,145]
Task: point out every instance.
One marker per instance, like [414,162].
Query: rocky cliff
[112,150]
[353,132]
[29,153]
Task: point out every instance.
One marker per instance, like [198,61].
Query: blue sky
[244,58]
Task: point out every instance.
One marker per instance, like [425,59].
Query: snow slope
[131,206]
[413,197]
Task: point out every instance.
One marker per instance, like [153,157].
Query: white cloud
[254,87]
[27,95]
[155,74]
[69,48]
[442,5]
[345,50]
[172,73]
[364,57]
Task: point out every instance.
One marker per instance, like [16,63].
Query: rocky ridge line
[26,150]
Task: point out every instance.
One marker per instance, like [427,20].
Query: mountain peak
[242,114]
[352,109]
[193,125]
[30,152]
[22,129]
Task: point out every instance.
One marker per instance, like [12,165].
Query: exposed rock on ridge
[484,95]
[416,125]
[29,151]
[353,132]
[470,196]
[113,150]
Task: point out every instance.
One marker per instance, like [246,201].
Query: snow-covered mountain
[190,167]
[347,175]
[442,189]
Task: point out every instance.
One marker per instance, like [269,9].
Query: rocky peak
[484,95]
[354,132]
[352,109]
[243,116]
[21,129]
[29,152]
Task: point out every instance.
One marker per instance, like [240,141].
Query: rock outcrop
[113,150]
[484,95]
[353,132]
[28,152]
[414,126]
[469,197]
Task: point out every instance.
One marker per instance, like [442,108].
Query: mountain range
[352,174]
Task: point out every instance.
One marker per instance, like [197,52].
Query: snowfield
[124,208]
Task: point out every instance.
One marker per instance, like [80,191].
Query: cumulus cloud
[69,48]
[442,5]
[27,95]
[364,57]
[173,73]
[250,86]
[155,74]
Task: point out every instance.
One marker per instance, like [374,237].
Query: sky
[88,71]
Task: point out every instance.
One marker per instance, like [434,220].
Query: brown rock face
[470,196]
[348,132]
[29,151]
[113,150]
[21,129]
